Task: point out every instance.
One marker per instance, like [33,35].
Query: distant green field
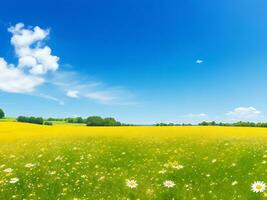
[12,119]
[66,123]
[8,119]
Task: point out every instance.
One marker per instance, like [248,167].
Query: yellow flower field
[79,162]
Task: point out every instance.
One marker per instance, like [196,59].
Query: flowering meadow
[99,163]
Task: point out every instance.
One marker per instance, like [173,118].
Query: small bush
[48,123]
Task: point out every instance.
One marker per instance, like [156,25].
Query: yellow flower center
[258,187]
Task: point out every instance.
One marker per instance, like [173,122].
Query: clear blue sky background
[146,51]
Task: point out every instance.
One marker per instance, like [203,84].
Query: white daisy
[29,165]
[177,167]
[258,186]
[162,171]
[168,184]
[8,170]
[131,183]
[234,183]
[52,172]
[14,180]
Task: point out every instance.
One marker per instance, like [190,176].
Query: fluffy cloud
[13,79]
[38,59]
[245,112]
[72,93]
[34,60]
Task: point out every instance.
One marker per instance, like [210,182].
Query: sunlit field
[79,162]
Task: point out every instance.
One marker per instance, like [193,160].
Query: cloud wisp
[196,115]
[245,113]
[73,93]
[45,96]
[81,87]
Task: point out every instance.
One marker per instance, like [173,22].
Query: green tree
[94,121]
[109,121]
[203,123]
[79,120]
[2,114]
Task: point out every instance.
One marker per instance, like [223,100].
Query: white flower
[131,183]
[234,183]
[258,186]
[14,180]
[2,166]
[177,167]
[162,171]
[8,170]
[29,165]
[52,172]
[168,184]
[174,165]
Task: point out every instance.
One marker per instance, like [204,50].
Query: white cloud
[14,80]
[91,89]
[110,95]
[197,115]
[245,113]
[100,96]
[25,37]
[51,98]
[34,60]
[38,59]
[199,61]
[72,93]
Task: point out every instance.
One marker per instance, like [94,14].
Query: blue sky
[139,61]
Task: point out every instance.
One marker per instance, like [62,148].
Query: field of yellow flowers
[93,163]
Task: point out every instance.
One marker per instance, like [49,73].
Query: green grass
[96,167]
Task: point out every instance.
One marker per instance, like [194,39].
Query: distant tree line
[172,124]
[213,123]
[110,121]
[240,124]
[89,121]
